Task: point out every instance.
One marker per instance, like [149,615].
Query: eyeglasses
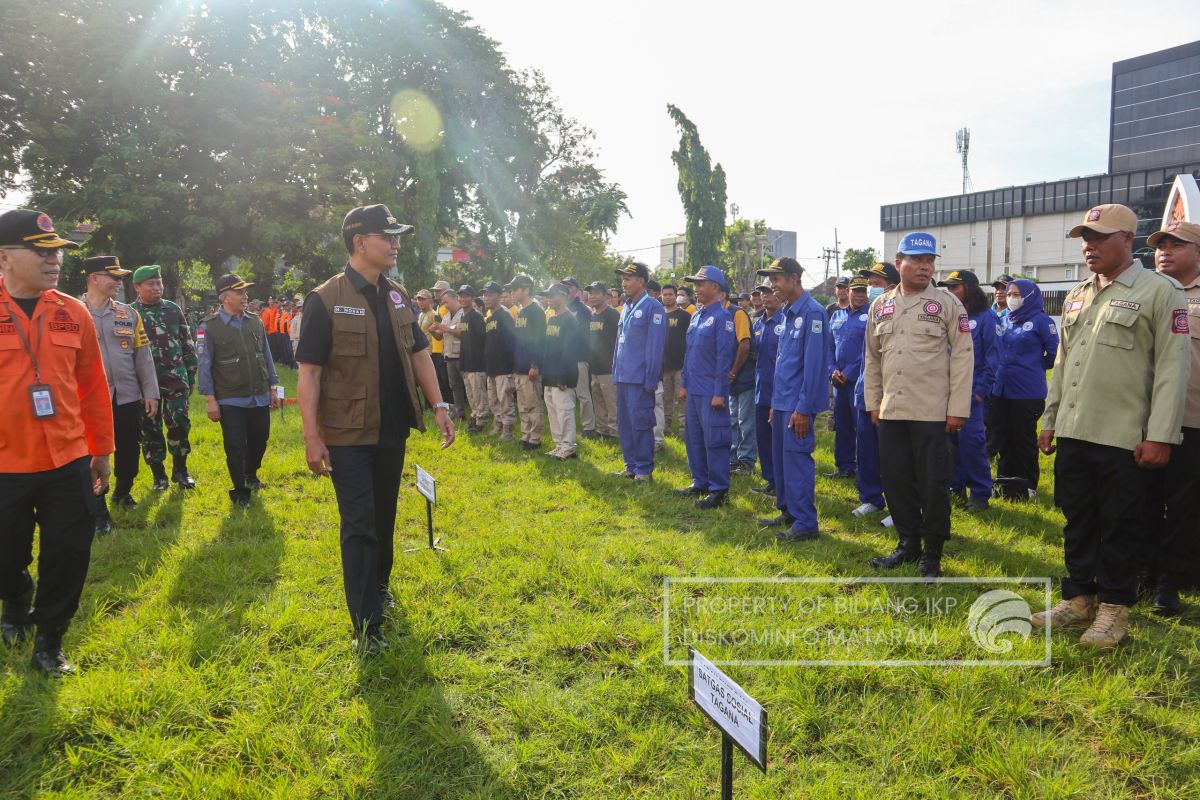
[392,238]
[51,253]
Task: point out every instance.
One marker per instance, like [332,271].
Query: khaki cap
[440,288]
[1108,218]
[1183,231]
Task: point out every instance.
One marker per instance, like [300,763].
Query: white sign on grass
[425,485]
[736,713]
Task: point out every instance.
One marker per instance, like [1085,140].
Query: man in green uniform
[175,362]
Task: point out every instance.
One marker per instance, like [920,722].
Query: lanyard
[32,351]
[623,323]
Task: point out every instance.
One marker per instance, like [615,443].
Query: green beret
[146,273]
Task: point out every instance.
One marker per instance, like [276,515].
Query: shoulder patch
[729,325]
[1179,321]
[1053,328]
[817,325]
[964,324]
[658,319]
[1028,326]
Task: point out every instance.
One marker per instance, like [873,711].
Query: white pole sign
[425,485]
[737,714]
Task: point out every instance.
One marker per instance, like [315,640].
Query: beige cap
[424,294]
[1183,231]
[1108,218]
[440,287]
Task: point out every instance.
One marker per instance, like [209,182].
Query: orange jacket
[69,357]
[267,318]
[283,323]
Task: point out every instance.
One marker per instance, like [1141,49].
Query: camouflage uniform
[175,360]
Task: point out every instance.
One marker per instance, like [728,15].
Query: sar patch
[817,326]
[1027,327]
[1074,305]
[933,307]
[64,327]
[657,319]
[1179,321]
[1129,304]
[729,325]
[964,324]
[637,314]
[1053,329]
[973,324]
[351,310]
[885,310]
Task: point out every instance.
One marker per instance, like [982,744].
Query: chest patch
[1129,304]
[1028,326]
[929,318]
[933,307]
[1074,305]
[885,310]
[351,310]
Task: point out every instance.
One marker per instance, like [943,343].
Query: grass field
[527,661]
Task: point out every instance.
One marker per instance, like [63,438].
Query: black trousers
[914,463]
[127,429]
[439,366]
[245,432]
[366,481]
[1171,537]
[59,502]
[1102,494]
[1015,428]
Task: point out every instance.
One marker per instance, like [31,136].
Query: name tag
[351,310]
[1129,304]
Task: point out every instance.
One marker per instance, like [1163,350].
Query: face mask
[874,291]
[1015,303]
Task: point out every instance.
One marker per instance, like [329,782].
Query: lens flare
[417,119]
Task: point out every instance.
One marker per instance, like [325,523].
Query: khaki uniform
[919,358]
[1191,408]
[1121,373]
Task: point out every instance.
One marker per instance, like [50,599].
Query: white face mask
[1015,303]
[874,292]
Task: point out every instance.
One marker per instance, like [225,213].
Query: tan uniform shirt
[125,349]
[919,360]
[1191,409]
[1121,373]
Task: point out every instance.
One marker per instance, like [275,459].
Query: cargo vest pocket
[1116,328]
[349,336]
[344,405]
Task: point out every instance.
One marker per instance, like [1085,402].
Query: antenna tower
[963,142]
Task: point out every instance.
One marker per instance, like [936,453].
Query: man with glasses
[57,436]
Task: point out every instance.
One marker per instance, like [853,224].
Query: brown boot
[1110,628]
[1077,611]
[506,433]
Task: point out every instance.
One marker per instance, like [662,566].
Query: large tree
[702,191]
[856,259]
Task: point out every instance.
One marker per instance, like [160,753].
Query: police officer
[236,375]
[767,329]
[971,469]
[1116,404]
[918,365]
[801,391]
[132,383]
[499,344]
[56,435]
[175,363]
[362,357]
[637,370]
[880,278]
[704,388]
[848,326]
[1172,532]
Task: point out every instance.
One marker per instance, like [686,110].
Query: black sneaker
[690,491]
[103,524]
[901,555]
[124,501]
[741,468]
[254,484]
[240,498]
[783,520]
[590,435]
[48,657]
[797,535]
[15,623]
[712,500]
[766,488]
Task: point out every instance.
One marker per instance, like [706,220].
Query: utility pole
[833,253]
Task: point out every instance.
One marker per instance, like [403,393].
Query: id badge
[43,401]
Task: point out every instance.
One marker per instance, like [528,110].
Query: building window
[1067,233]
[972,241]
[1070,272]
[1029,237]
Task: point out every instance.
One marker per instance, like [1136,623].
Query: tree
[740,253]
[702,191]
[855,259]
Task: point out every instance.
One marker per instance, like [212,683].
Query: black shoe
[254,484]
[48,657]
[766,488]
[776,522]
[529,445]
[590,435]
[741,468]
[623,474]
[712,500]
[978,504]
[14,619]
[387,600]
[372,644]
[930,564]
[842,473]
[240,497]
[796,535]
[124,501]
[690,491]
[184,480]
[161,484]
[1166,601]
[103,524]
[959,498]
[901,555]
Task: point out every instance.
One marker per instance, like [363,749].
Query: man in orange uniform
[55,440]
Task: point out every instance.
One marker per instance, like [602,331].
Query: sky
[822,113]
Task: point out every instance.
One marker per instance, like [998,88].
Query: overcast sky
[821,114]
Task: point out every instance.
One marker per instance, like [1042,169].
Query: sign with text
[737,714]
[425,485]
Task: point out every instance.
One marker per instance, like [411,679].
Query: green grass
[216,658]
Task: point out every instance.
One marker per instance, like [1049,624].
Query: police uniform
[1120,378]
[131,381]
[767,330]
[58,420]
[236,368]
[708,358]
[175,363]
[848,326]
[801,386]
[363,337]
[637,370]
[919,366]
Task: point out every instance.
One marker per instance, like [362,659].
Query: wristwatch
[443,406]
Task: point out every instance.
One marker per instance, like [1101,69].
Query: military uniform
[175,362]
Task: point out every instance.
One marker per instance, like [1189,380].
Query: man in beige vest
[362,356]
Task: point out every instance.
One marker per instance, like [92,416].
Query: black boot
[906,552]
[103,520]
[48,656]
[121,497]
[712,500]
[14,618]
[161,484]
[254,484]
[1166,601]
[930,563]
[179,473]
[240,497]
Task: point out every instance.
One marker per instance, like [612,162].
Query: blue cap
[709,274]
[919,244]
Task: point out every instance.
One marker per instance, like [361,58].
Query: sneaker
[887,521]
[124,501]
[1110,627]
[741,468]
[783,520]
[103,524]
[641,478]
[590,435]
[766,488]
[690,491]
[978,504]
[1077,611]
[866,509]
[797,535]
[712,500]
[623,474]
[841,473]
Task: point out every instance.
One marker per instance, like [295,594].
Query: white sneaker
[865,509]
[1032,493]
[886,521]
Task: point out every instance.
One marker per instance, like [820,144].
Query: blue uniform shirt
[985,339]
[801,366]
[1027,350]
[708,357]
[641,333]
[849,328]
[766,335]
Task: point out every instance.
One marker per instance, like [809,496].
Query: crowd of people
[930,384]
